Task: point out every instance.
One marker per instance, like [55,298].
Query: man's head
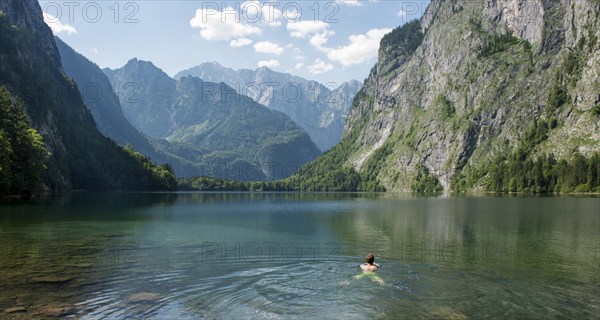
[370,258]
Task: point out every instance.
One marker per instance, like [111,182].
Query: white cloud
[264,13]
[352,3]
[401,13]
[236,43]
[318,31]
[319,66]
[57,26]
[301,29]
[268,47]
[320,39]
[94,50]
[362,47]
[299,65]
[221,25]
[268,63]
[292,15]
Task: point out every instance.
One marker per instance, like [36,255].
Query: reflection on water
[290,255]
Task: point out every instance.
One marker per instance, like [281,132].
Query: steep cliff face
[471,81]
[98,96]
[81,158]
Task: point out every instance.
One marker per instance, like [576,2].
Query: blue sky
[332,44]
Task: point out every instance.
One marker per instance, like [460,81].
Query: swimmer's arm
[377,265]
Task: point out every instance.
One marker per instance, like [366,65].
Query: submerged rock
[15,310]
[58,310]
[53,279]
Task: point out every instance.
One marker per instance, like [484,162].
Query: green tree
[22,162]
[5,163]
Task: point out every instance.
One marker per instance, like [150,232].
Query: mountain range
[97,94]
[224,134]
[168,141]
[500,96]
[320,109]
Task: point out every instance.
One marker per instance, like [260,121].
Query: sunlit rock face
[524,18]
[466,82]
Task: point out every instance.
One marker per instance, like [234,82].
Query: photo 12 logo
[90,11]
[269,11]
[267,92]
[411,9]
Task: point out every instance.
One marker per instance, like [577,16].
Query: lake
[291,255]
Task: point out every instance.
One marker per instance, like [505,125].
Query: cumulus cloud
[268,63]
[268,47]
[320,39]
[221,25]
[318,31]
[236,43]
[319,66]
[302,29]
[362,47]
[299,65]
[57,26]
[352,3]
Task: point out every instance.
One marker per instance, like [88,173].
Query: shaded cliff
[80,157]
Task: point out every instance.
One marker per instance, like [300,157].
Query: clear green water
[196,256]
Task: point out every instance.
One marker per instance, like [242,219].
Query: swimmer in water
[369,268]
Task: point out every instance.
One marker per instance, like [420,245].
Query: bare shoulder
[368,268]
